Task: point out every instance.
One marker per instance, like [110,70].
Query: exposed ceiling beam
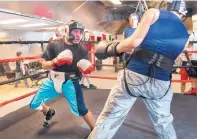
[106,3]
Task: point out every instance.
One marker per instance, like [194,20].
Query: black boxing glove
[106,49]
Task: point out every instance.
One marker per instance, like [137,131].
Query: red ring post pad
[191,52]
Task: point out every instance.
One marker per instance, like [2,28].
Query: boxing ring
[26,123]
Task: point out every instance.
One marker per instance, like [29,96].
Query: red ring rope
[115,78]
[17,98]
[18,59]
[192,52]
[97,77]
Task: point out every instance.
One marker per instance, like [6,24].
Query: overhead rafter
[106,3]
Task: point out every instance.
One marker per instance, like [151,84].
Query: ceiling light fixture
[116,2]
[12,21]
[33,25]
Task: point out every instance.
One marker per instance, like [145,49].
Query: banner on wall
[110,37]
[104,37]
[97,36]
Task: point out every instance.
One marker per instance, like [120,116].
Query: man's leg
[26,83]
[183,85]
[114,113]
[159,112]
[82,82]
[90,84]
[184,76]
[74,95]
[89,120]
[193,89]
[17,75]
[44,94]
[193,76]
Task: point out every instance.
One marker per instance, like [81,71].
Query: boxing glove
[85,66]
[106,49]
[65,57]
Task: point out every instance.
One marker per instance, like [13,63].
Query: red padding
[18,59]
[16,99]
[192,52]
[183,81]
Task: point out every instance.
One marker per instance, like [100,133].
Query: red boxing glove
[85,66]
[65,57]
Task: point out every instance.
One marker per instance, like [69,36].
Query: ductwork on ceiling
[95,15]
[116,18]
[89,13]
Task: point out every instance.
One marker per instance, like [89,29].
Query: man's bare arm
[46,64]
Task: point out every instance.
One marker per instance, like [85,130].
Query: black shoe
[92,86]
[83,86]
[48,117]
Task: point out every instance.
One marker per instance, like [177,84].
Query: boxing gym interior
[28,28]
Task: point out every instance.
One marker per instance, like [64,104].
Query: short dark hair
[18,53]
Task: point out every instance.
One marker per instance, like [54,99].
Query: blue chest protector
[163,43]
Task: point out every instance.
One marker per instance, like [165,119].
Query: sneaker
[83,86]
[92,86]
[48,117]
[192,91]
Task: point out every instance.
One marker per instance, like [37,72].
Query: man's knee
[35,106]
[163,120]
[82,110]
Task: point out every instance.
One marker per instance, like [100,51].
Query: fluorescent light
[13,21]
[116,2]
[33,25]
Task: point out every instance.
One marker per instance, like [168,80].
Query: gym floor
[25,123]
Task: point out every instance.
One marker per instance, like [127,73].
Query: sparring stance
[158,40]
[133,22]
[66,59]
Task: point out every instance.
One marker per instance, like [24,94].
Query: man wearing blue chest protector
[66,59]
[133,22]
[158,40]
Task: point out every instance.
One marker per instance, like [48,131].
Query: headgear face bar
[71,26]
